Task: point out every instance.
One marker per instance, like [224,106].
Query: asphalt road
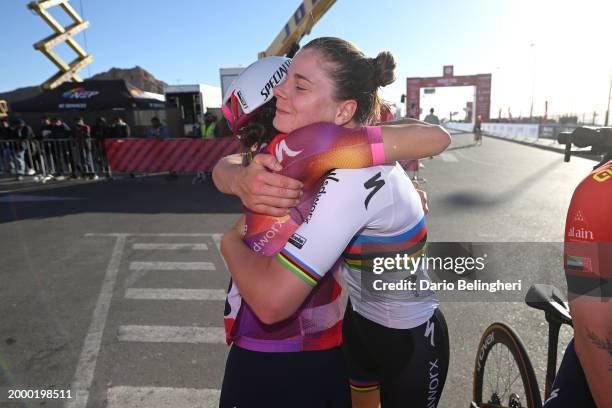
[115,288]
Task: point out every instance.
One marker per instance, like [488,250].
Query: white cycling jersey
[363,216]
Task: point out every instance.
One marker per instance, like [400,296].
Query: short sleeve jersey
[360,215]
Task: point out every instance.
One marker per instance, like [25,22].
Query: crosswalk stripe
[171,334]
[175,294]
[172,266]
[161,397]
[156,246]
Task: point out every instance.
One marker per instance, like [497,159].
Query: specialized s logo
[283,148]
[374,183]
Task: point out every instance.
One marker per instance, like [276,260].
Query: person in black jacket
[5,153]
[23,149]
[121,130]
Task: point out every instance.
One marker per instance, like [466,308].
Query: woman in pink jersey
[266,370]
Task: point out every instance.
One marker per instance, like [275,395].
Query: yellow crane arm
[299,25]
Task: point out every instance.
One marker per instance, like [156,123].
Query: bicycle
[496,386]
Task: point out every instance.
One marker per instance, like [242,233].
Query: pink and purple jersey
[306,154]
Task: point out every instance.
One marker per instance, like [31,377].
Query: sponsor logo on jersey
[276,79]
[579,216]
[322,190]
[580,233]
[603,175]
[429,332]
[374,183]
[297,241]
[434,384]
[282,149]
[260,244]
[553,394]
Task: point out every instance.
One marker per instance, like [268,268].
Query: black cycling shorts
[570,388]
[305,379]
[409,366]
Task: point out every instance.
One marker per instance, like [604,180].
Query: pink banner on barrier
[178,155]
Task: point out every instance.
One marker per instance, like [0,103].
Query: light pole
[533,79]
[609,96]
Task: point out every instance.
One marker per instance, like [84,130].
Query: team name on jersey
[580,233]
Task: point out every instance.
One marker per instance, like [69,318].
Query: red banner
[178,155]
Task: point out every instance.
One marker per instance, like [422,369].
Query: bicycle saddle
[549,299]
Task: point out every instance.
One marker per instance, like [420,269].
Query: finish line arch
[482,98]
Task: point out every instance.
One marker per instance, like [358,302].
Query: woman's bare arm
[414,141]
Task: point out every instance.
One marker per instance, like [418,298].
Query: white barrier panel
[461,126]
[512,130]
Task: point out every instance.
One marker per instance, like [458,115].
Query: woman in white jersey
[394,340]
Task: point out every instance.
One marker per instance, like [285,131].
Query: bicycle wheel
[503,374]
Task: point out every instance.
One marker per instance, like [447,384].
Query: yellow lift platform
[62,35]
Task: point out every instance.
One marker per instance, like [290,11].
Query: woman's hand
[263,191]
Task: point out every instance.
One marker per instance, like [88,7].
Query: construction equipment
[299,25]
[62,35]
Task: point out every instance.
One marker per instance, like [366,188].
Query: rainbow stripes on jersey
[299,268]
[362,250]
[363,386]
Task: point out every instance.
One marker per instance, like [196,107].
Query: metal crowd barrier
[47,159]
[53,158]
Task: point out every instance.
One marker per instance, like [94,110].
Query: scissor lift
[62,35]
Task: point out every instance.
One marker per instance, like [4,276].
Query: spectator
[59,129]
[23,149]
[121,130]
[208,129]
[44,157]
[46,128]
[157,129]
[82,135]
[63,148]
[5,152]
[431,118]
[223,127]
[478,130]
[101,131]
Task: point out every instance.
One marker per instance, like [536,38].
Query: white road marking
[172,266]
[155,247]
[175,294]
[162,397]
[448,157]
[84,374]
[171,334]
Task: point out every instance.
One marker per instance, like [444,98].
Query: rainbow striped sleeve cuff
[299,268]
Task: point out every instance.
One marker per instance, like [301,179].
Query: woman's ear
[346,112]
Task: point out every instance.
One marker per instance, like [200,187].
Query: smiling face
[306,96]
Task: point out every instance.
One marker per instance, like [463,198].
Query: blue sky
[187,41]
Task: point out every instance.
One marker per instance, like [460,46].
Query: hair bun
[384,68]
